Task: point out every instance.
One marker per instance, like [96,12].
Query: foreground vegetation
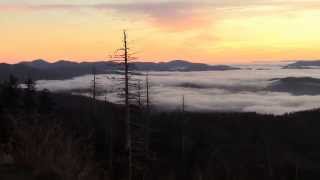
[60,136]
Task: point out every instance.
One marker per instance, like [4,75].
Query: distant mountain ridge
[296,85]
[304,65]
[22,72]
[41,69]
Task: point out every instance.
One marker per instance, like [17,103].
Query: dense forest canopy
[182,144]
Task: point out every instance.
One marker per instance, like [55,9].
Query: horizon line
[156,61]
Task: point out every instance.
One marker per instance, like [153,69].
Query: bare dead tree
[139,93]
[148,108]
[183,138]
[133,93]
[125,57]
[147,92]
[183,127]
[94,84]
[93,92]
[147,123]
[183,104]
[127,105]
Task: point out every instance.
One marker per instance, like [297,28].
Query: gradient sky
[210,31]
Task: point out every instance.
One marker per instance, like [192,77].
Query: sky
[208,31]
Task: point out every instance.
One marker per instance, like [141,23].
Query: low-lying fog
[244,90]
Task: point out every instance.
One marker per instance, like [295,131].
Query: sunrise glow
[203,31]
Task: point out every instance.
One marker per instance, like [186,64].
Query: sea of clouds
[236,90]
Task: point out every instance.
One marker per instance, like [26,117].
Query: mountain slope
[303,65]
[41,69]
[22,72]
[296,85]
[179,65]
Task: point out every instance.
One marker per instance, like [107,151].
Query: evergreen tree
[29,95]
[10,93]
[45,102]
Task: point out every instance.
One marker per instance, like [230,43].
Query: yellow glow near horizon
[205,34]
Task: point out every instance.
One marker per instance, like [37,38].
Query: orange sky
[215,31]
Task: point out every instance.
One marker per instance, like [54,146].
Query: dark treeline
[60,136]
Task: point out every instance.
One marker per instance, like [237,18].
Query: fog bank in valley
[246,90]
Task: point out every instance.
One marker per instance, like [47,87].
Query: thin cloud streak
[172,15]
[163,7]
[176,14]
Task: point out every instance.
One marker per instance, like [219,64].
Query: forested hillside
[67,137]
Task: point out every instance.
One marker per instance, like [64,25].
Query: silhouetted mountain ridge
[296,85]
[304,65]
[22,71]
[293,85]
[63,69]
